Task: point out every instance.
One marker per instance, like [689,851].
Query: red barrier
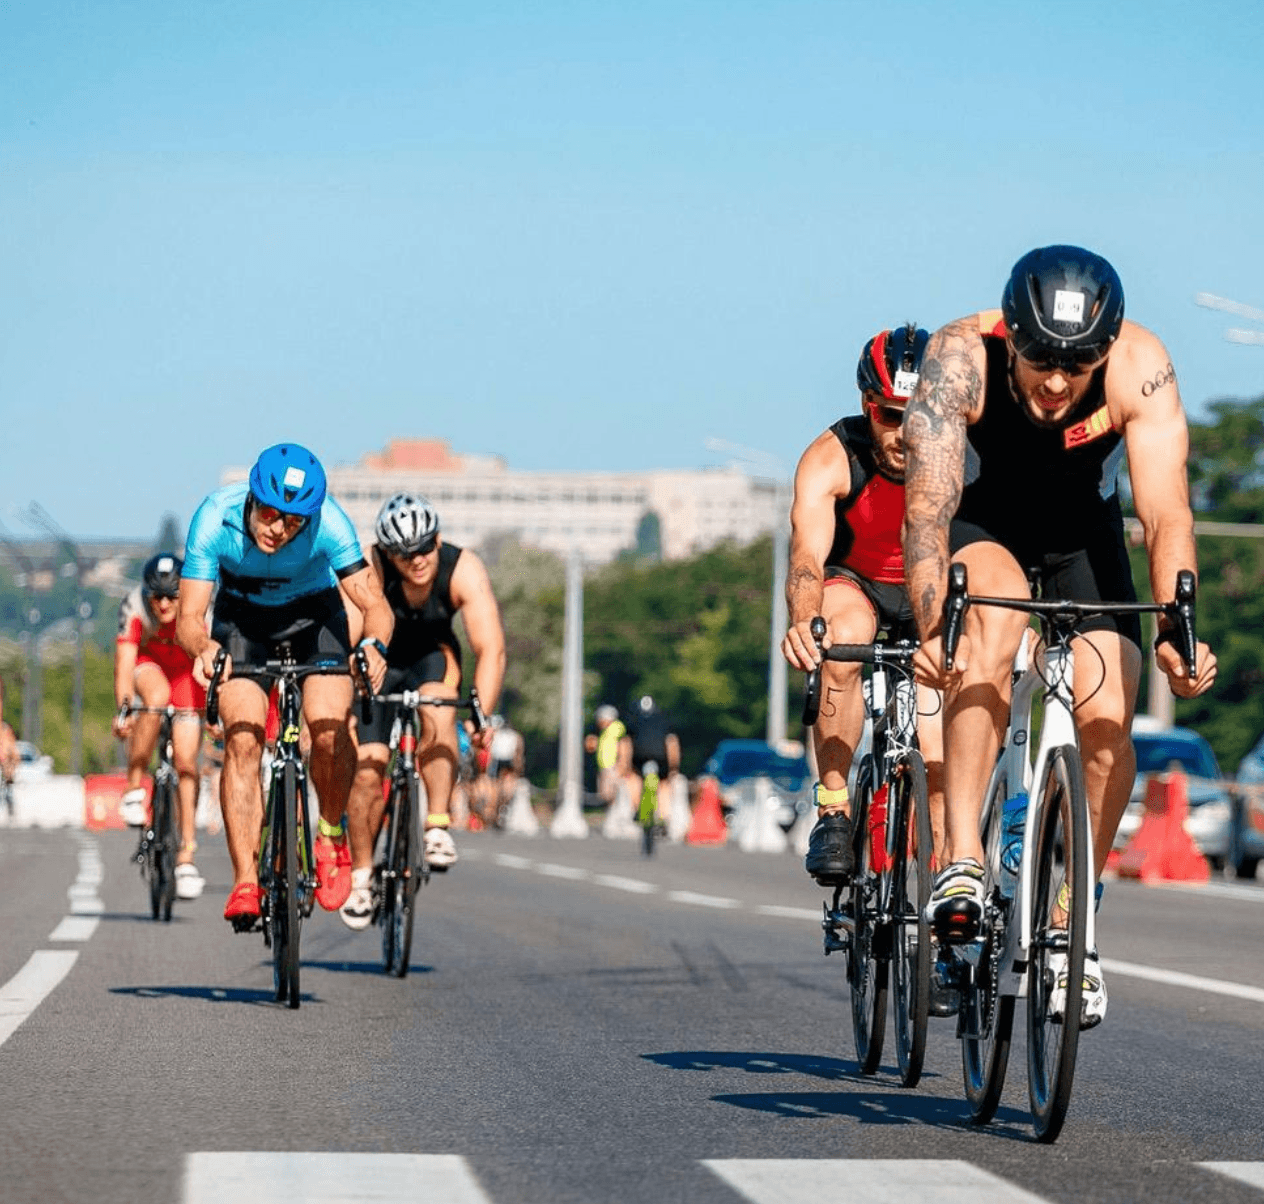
[1161,850]
[101,795]
[707,825]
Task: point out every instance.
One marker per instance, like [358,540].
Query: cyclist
[1018,427]
[651,739]
[847,565]
[9,760]
[148,663]
[426,582]
[605,744]
[279,548]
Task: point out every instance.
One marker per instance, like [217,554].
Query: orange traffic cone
[1161,850]
[707,825]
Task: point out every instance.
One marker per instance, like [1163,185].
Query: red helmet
[891,361]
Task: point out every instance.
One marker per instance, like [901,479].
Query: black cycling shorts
[1097,572]
[315,627]
[427,670]
[890,602]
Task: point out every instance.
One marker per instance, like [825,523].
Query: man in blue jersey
[279,548]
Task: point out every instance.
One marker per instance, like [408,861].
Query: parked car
[1246,832]
[735,762]
[1210,807]
[32,764]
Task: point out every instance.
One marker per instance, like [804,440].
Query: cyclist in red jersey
[847,566]
[150,664]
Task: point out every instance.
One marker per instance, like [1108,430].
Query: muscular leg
[326,707]
[1107,674]
[930,739]
[151,684]
[243,711]
[976,704]
[186,739]
[366,804]
[438,753]
[849,619]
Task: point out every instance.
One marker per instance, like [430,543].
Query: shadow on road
[212,994]
[375,968]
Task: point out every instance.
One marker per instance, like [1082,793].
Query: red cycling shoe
[333,872]
[242,908]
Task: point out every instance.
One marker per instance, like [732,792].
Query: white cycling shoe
[189,883]
[357,911]
[1093,991]
[440,850]
[132,808]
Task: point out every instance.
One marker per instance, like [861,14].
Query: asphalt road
[580,1025]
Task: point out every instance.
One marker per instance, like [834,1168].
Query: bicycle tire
[910,936]
[293,803]
[1052,1045]
[386,881]
[985,1058]
[647,813]
[404,881]
[866,971]
[162,873]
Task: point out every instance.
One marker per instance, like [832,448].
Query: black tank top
[1038,487]
[867,522]
[420,630]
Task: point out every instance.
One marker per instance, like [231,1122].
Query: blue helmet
[289,478]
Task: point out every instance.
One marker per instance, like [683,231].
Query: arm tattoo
[950,388]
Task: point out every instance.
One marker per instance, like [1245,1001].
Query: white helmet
[407,524]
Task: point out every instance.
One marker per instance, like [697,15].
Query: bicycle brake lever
[212,689]
[366,695]
[476,710]
[954,612]
[1186,589]
[812,687]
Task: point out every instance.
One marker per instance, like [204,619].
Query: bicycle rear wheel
[987,1017]
[1059,925]
[910,933]
[866,961]
[162,868]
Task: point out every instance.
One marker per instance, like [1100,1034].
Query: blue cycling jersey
[220,549]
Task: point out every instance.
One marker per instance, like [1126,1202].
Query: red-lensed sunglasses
[268,515]
[886,415]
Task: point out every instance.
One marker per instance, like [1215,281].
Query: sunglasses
[886,415]
[157,597]
[270,515]
[424,550]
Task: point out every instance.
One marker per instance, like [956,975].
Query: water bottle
[1013,820]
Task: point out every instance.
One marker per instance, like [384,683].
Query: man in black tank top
[1018,427]
[426,582]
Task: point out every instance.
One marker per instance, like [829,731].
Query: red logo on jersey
[1093,427]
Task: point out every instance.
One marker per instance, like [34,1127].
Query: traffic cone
[1161,850]
[707,825]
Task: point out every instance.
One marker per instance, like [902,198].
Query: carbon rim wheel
[293,802]
[404,885]
[866,972]
[1061,856]
[985,1056]
[910,935]
[278,928]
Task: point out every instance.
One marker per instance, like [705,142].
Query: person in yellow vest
[605,744]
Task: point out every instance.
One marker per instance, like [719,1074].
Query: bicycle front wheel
[866,962]
[987,1017]
[402,882]
[909,817]
[162,870]
[1060,894]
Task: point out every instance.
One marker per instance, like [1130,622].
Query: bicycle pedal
[245,923]
[957,927]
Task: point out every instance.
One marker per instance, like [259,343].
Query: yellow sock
[435,820]
[829,798]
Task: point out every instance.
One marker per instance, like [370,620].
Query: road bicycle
[1037,924]
[156,852]
[287,865]
[878,919]
[647,809]
[402,868]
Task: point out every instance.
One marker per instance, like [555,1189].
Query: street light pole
[775,732]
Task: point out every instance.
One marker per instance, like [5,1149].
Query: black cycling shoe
[831,859]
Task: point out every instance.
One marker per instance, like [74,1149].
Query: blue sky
[574,235]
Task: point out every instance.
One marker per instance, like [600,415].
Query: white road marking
[74,928]
[789,913]
[87,907]
[572,873]
[1219,890]
[688,896]
[632,885]
[875,1181]
[509,861]
[1174,978]
[329,1178]
[25,991]
[1251,1173]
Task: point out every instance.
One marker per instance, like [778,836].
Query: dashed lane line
[1251,1173]
[572,873]
[876,1181]
[688,896]
[27,989]
[1174,978]
[326,1178]
[634,886]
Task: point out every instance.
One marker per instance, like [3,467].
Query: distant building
[479,497]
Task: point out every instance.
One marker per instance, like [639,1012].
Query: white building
[480,496]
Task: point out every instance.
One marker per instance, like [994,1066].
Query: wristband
[375,642]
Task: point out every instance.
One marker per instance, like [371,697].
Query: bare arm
[191,634]
[472,594]
[949,395]
[1142,392]
[363,589]
[823,476]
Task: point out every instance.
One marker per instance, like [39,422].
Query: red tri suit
[868,522]
[156,645]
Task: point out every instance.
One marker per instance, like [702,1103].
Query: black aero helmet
[160,578]
[891,362]
[1063,306]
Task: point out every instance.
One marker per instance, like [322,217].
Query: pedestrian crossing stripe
[330,1177]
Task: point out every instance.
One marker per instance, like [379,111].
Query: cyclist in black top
[426,582]
[1018,427]
[651,739]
